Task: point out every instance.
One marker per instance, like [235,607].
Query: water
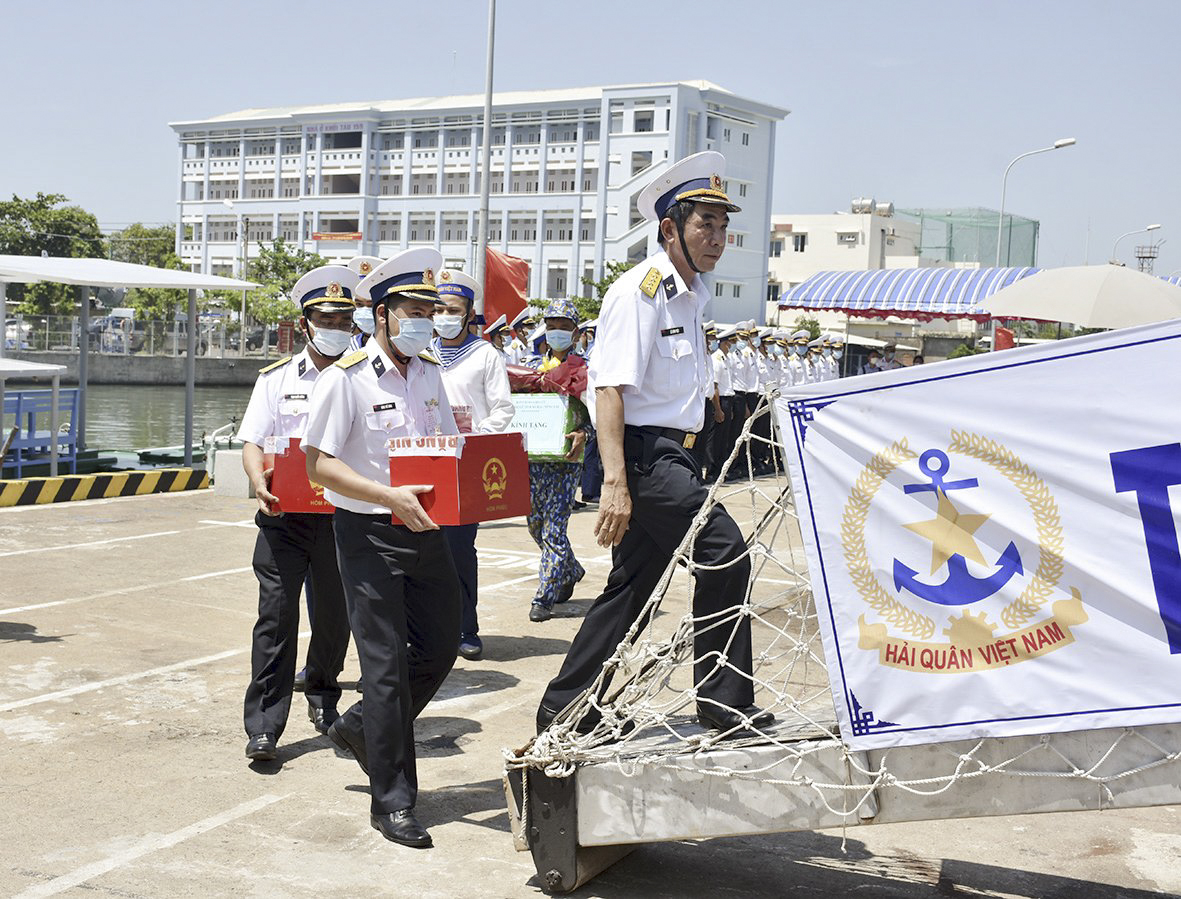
[135,417]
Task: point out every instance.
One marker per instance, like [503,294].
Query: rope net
[641,710]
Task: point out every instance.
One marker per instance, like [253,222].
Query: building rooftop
[456,101]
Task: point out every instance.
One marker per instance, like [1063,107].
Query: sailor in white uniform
[292,547]
[399,580]
[363,315]
[496,333]
[476,381]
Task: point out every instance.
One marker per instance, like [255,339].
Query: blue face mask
[363,318]
[559,341]
[713,346]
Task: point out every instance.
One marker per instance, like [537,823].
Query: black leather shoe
[301,680]
[724,719]
[321,718]
[261,748]
[471,647]
[350,744]
[402,827]
[540,612]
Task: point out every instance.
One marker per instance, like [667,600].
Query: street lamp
[1114,261]
[1057,145]
[1000,224]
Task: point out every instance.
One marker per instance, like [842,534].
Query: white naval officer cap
[497,326]
[406,275]
[729,333]
[765,333]
[589,325]
[452,282]
[363,265]
[815,344]
[697,178]
[802,334]
[329,287]
[521,317]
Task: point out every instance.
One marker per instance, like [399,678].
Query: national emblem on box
[476,477]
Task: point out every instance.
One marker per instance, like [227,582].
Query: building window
[738,239]
[718,289]
[737,290]
[745,139]
[773,292]
[776,249]
[726,135]
[799,242]
[643,122]
[742,190]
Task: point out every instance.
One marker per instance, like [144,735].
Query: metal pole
[242,275]
[485,165]
[4,318]
[83,359]
[55,385]
[190,375]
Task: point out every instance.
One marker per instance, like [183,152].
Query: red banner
[506,281]
[1004,339]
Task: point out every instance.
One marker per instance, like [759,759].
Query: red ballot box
[476,477]
[290,481]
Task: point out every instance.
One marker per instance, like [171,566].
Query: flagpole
[485,165]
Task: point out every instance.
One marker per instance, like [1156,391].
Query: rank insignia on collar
[351,359]
[650,283]
[303,366]
[378,366]
[670,286]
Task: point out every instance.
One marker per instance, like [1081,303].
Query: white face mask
[328,342]
[826,352]
[449,326]
[559,340]
[713,346]
[800,349]
[363,319]
[756,341]
[836,354]
[413,336]
[777,350]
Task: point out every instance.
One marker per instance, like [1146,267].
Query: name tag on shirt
[295,396]
[385,407]
[671,332]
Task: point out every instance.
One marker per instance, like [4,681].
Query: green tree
[590,307]
[47,224]
[964,349]
[278,266]
[813,326]
[155,246]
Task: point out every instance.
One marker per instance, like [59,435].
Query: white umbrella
[1094,296]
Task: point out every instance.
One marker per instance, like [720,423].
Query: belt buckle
[689,440]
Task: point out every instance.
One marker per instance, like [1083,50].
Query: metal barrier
[116,335]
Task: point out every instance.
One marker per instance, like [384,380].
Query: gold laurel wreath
[1045,517]
[853,540]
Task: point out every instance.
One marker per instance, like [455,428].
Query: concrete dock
[125,627]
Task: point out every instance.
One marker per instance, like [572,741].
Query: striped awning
[1173,279]
[918,293]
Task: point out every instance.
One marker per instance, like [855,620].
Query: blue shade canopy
[918,293]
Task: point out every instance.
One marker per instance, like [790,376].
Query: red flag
[506,280]
[1004,339]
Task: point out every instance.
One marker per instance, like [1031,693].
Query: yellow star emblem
[950,533]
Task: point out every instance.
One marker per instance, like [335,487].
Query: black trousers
[289,549]
[760,450]
[403,601]
[666,493]
[461,539]
[742,407]
[703,445]
[720,439]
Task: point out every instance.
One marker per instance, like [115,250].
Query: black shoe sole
[472,656]
[262,755]
[343,745]
[408,844]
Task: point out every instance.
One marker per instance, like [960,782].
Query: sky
[919,103]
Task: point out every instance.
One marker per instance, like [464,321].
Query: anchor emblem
[952,543]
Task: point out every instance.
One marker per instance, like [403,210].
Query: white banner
[992,541]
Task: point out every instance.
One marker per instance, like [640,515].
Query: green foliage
[610,276]
[965,349]
[813,326]
[153,246]
[46,223]
[277,268]
[587,308]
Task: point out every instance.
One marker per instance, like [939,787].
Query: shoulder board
[274,365]
[428,356]
[351,359]
[650,283]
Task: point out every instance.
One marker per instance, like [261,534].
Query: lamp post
[481,266]
[244,234]
[1000,224]
[1114,261]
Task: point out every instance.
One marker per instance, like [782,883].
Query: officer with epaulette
[399,580]
[520,327]
[363,316]
[724,433]
[293,546]
[649,401]
[495,334]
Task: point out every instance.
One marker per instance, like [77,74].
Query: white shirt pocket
[292,416]
[390,422]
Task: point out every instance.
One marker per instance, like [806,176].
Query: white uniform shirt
[654,347]
[795,368]
[477,387]
[742,369]
[516,351]
[280,401]
[358,406]
[722,373]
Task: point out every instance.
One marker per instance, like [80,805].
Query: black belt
[685,438]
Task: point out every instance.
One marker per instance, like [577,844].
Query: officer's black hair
[679,212]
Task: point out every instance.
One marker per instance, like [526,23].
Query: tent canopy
[19,368]
[108,273]
[915,293]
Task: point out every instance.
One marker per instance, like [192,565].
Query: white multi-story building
[566,168]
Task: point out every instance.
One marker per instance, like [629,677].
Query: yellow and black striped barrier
[71,487]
